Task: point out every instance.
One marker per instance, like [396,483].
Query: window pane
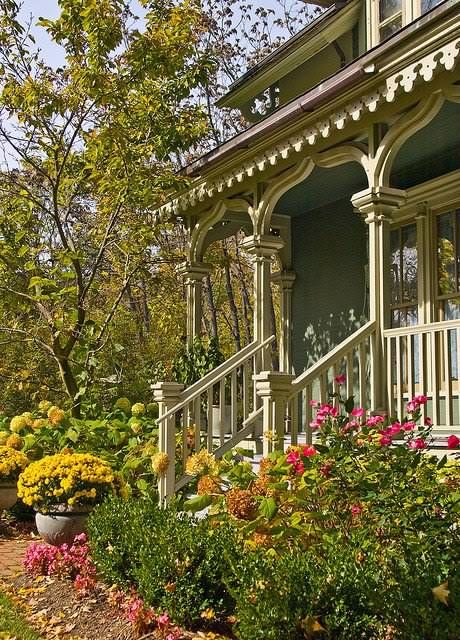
[388,8]
[426,5]
[452,309]
[409,263]
[390,28]
[446,254]
[395,266]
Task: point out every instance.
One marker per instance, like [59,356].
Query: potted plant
[63,488]
[12,463]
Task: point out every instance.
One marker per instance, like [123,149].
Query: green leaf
[349,404]
[198,503]
[268,508]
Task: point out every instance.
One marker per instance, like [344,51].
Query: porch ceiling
[322,187]
[431,152]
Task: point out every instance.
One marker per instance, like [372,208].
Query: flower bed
[356,536]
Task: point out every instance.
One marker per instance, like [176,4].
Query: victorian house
[348,180]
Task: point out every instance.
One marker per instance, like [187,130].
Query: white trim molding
[405,80]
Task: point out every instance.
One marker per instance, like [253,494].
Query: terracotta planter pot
[8,496]
[62,524]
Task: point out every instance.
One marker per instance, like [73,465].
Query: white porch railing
[215,413]
[425,359]
[352,358]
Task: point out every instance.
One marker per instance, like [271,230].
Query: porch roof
[396,65]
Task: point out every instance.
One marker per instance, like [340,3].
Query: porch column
[377,204]
[167,394]
[285,280]
[193,274]
[274,389]
[262,250]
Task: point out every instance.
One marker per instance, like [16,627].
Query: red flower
[453,442]
[309,451]
[340,379]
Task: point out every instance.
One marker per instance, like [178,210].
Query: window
[448,265]
[388,16]
[403,266]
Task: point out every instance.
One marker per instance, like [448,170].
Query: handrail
[332,356]
[213,377]
[421,328]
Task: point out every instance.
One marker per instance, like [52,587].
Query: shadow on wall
[329,297]
[326,333]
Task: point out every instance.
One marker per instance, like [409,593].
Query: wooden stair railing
[215,413]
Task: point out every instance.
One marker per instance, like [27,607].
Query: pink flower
[315,425]
[373,421]
[385,440]
[417,443]
[309,451]
[299,468]
[428,422]
[356,509]
[341,379]
[412,407]
[293,457]
[409,426]
[453,441]
[314,403]
[163,619]
[394,428]
[358,412]
[420,399]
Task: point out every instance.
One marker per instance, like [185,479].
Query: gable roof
[318,34]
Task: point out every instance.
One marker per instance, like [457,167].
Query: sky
[49,9]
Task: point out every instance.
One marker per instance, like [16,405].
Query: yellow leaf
[442,592]
[311,625]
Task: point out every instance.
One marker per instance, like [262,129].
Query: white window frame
[410,10]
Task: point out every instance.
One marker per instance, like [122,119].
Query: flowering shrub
[12,462]
[71,479]
[65,561]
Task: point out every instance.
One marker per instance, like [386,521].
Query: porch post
[167,394]
[285,280]
[262,250]
[275,390]
[193,274]
[377,204]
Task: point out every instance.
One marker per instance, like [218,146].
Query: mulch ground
[52,606]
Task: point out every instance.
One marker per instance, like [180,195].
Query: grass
[12,622]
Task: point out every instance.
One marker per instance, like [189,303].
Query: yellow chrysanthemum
[18,423]
[124,404]
[14,441]
[138,409]
[4,435]
[56,415]
[67,478]
[12,462]
[29,417]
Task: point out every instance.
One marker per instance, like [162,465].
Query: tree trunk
[70,385]
[211,306]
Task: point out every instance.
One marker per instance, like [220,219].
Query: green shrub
[174,561]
